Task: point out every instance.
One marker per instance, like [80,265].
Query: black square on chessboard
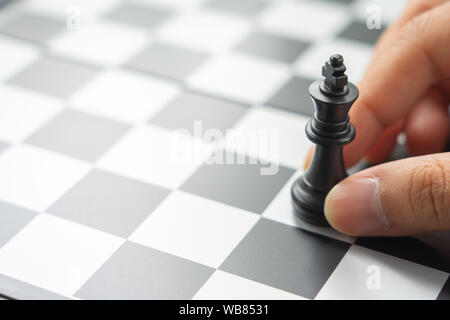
[4,3]
[139,272]
[340,1]
[294,97]
[245,7]
[78,134]
[109,202]
[53,76]
[425,250]
[272,46]
[33,27]
[360,32]
[3,146]
[189,107]
[12,220]
[139,15]
[445,292]
[167,61]
[19,290]
[286,258]
[238,185]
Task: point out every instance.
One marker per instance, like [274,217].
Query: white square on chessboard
[270,134]
[56,254]
[35,178]
[155,155]
[356,58]
[306,20]
[200,229]
[67,9]
[368,274]
[240,77]
[104,43]
[281,210]
[23,111]
[226,286]
[388,10]
[15,56]
[205,30]
[124,96]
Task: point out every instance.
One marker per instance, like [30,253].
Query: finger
[381,150]
[427,126]
[397,198]
[398,77]
[308,158]
[413,9]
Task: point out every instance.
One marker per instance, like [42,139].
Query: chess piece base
[308,203]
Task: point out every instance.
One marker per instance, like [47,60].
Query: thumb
[398,198]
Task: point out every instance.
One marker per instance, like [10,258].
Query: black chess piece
[329,129]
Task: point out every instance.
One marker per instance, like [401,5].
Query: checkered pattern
[91,207]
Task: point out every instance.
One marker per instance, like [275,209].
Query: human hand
[406,88]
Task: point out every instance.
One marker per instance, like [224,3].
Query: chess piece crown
[336,80]
[332,97]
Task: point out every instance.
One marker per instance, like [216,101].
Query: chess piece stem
[329,129]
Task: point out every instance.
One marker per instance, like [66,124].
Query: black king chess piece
[329,129]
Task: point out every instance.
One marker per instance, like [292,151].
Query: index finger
[412,60]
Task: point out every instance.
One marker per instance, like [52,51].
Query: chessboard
[122,169]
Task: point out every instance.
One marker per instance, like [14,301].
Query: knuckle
[421,35]
[429,192]
[409,34]
[421,5]
[416,26]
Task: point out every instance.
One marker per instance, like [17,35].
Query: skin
[406,88]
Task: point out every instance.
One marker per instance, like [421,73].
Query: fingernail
[354,207]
